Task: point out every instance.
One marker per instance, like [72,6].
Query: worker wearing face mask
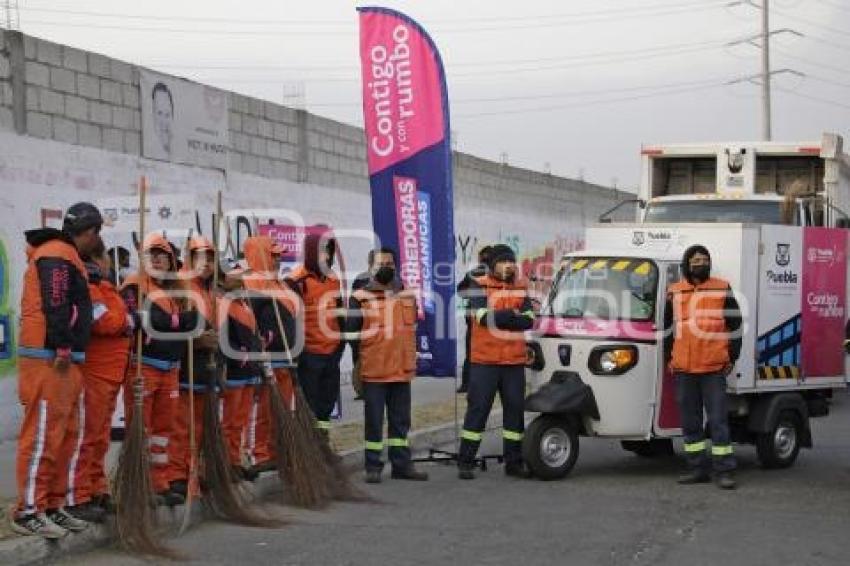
[702,342]
[501,313]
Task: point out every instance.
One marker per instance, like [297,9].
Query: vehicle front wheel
[550,447]
[779,447]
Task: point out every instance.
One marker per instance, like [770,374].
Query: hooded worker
[244,371]
[168,318]
[320,290]
[197,274]
[104,370]
[502,311]
[702,342]
[56,317]
[270,299]
[478,271]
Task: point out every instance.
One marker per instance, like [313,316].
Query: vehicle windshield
[734,211]
[605,288]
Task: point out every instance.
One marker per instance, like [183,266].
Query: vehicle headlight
[534,356]
[612,360]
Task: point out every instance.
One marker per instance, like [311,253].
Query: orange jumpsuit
[55,320]
[103,374]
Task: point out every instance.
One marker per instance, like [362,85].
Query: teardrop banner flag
[406,114]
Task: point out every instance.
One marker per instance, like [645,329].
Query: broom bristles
[223,495]
[339,479]
[301,467]
[135,516]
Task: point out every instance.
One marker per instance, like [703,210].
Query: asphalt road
[615,509]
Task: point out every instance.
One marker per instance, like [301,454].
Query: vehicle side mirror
[842,223]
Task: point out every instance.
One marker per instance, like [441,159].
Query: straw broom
[302,468]
[223,496]
[135,513]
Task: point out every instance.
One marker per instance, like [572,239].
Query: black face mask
[384,275]
[700,272]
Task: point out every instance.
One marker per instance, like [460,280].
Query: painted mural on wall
[7,316]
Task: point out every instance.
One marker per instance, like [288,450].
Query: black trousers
[396,398]
[484,382]
[318,375]
[464,374]
[698,393]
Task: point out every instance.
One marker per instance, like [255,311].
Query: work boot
[170,498]
[37,524]
[694,476]
[464,388]
[61,518]
[410,473]
[517,470]
[373,476]
[725,480]
[104,501]
[268,466]
[88,512]
[179,487]
[464,472]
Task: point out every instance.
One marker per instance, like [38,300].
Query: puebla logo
[638,238]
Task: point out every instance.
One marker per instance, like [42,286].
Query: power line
[812,23]
[589,103]
[813,63]
[643,11]
[549,95]
[509,62]
[816,98]
[468,28]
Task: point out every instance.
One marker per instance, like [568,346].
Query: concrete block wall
[61,93]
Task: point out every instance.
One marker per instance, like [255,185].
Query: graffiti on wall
[7,332]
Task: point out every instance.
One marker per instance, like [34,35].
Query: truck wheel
[550,447]
[779,447]
[655,448]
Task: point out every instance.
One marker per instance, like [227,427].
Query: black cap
[80,217]
[500,252]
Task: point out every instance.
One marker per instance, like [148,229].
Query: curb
[20,551]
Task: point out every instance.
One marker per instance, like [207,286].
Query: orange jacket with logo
[698,314]
[386,322]
[55,303]
[501,313]
[322,301]
[108,352]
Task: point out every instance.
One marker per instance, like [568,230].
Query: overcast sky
[575,86]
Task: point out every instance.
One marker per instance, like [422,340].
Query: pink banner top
[402,95]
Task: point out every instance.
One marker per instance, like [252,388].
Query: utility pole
[766,133]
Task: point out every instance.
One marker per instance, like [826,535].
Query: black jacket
[65,299]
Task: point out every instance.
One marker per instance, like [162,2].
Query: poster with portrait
[182,121]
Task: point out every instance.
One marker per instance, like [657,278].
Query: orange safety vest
[493,346]
[701,339]
[108,352]
[33,331]
[388,335]
[321,322]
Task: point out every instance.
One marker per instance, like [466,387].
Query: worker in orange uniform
[239,329]
[702,343]
[56,317]
[320,290]
[501,312]
[197,274]
[382,331]
[104,370]
[262,255]
[168,312]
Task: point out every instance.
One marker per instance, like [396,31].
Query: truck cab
[798,184]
